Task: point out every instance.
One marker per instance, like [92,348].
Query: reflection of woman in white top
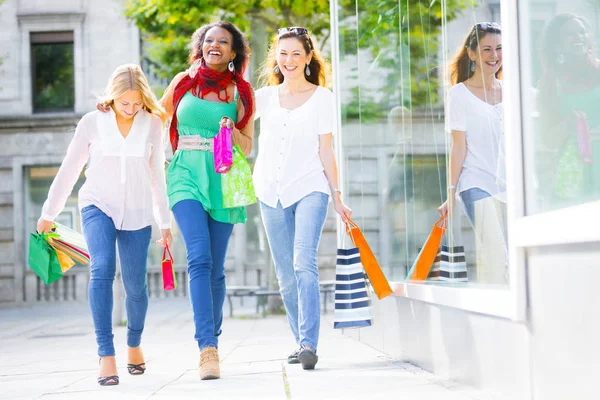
[124,191]
[294,175]
[475,120]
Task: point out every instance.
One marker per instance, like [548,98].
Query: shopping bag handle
[442,222]
[349,226]
[165,251]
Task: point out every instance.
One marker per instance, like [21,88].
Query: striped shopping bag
[449,265]
[352,303]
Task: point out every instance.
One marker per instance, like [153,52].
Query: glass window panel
[394,85]
[53,82]
[561,92]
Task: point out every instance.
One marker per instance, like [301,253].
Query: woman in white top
[294,176]
[123,192]
[475,121]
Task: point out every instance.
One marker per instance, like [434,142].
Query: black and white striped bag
[352,301]
[450,265]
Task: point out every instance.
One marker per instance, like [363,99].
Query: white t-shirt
[482,123]
[125,177]
[288,166]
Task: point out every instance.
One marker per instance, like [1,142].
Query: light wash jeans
[294,234]
[206,243]
[100,235]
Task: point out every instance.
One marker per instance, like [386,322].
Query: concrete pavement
[49,352]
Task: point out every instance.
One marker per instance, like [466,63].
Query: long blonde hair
[131,77]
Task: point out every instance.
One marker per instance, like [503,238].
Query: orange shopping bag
[369,262]
[426,257]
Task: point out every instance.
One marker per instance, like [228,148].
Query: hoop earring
[276,69]
[307,70]
[473,66]
[230,66]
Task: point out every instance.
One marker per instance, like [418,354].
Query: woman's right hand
[446,207]
[193,69]
[44,226]
[102,107]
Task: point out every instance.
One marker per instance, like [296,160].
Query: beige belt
[195,142]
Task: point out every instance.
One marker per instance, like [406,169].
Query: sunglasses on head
[488,26]
[296,30]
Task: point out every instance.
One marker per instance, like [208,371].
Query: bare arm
[166,100]
[327,156]
[458,153]
[245,137]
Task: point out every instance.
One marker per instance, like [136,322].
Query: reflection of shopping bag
[168,271]
[424,261]
[236,184]
[43,259]
[376,277]
[449,265]
[352,308]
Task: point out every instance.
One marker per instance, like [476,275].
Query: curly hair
[320,69]
[239,45]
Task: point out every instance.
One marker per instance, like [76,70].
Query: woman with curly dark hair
[217,95]
[567,100]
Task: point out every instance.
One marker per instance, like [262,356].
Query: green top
[191,175]
[577,182]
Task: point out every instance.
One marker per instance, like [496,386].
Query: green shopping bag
[237,186]
[43,259]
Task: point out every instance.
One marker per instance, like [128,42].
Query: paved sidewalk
[48,352]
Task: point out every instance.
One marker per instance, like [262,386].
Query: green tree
[401,37]
[167,25]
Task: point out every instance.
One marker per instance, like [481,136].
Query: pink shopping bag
[168,271]
[223,150]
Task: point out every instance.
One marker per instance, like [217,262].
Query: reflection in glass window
[399,136]
[561,97]
[52,68]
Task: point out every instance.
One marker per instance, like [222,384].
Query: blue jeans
[469,197]
[294,234]
[101,235]
[206,243]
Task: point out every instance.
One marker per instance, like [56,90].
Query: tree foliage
[401,38]
[167,25]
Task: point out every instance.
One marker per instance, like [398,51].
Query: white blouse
[484,165]
[288,166]
[125,177]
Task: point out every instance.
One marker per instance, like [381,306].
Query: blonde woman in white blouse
[123,192]
[294,176]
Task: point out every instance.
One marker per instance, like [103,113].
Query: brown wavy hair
[460,67]
[320,70]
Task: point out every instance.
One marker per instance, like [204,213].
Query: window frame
[49,37]
[52,22]
[509,302]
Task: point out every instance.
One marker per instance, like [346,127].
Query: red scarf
[208,80]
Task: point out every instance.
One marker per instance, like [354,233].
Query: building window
[52,71]
[37,184]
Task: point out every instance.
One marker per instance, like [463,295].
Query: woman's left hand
[227,122]
[344,211]
[166,238]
